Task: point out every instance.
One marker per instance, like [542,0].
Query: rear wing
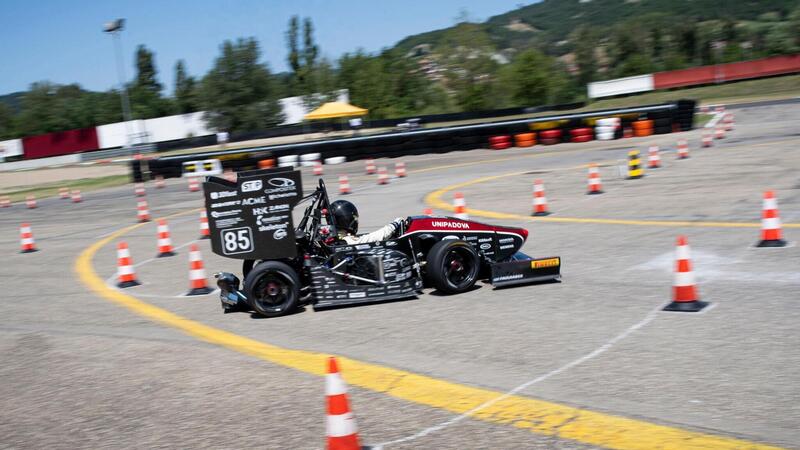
[252,218]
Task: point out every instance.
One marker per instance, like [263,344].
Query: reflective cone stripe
[771,223]
[341,428]
[708,141]
[139,189]
[63,193]
[318,168]
[126,277]
[400,169]
[383,176]
[595,185]
[142,213]
[164,241]
[5,202]
[683,149]
[539,199]
[370,166]
[653,157]
[194,185]
[634,165]
[76,196]
[460,206]
[198,284]
[344,185]
[719,132]
[30,202]
[205,233]
[160,182]
[229,175]
[684,288]
[27,243]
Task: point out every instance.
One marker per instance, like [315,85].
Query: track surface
[79,371]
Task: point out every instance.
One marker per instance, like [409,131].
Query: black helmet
[345,216]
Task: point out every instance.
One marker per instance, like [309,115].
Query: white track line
[602,349]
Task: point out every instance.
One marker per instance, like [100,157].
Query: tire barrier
[266,163]
[126,276]
[500,142]
[341,430]
[539,199]
[595,185]
[635,170]
[525,139]
[460,206]
[642,128]
[336,160]
[684,290]
[27,244]
[770,223]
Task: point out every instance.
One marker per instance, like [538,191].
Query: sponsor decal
[269,209]
[254,201]
[222,194]
[503,247]
[279,234]
[505,240]
[225,204]
[252,185]
[486,246]
[284,195]
[281,182]
[263,220]
[391,243]
[486,240]
[362,247]
[450,224]
[274,226]
[508,277]
[549,262]
[233,212]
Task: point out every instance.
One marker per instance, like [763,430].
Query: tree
[185,98]
[145,92]
[146,70]
[584,41]
[237,93]
[7,123]
[294,53]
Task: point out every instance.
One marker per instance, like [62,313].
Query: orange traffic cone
[770,223]
[5,201]
[126,277]
[341,429]
[76,196]
[653,158]
[400,169]
[194,185]
[139,189]
[197,274]
[539,200]
[142,213]
[369,164]
[318,168]
[30,202]
[719,132]
[205,233]
[160,182]
[26,239]
[684,290]
[344,185]
[164,241]
[427,212]
[383,177]
[595,185]
[683,149]
[708,141]
[460,206]
[63,193]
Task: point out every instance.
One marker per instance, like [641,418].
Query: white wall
[11,147]
[176,127]
[294,109]
[640,83]
[116,134]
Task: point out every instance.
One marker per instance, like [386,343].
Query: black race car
[286,266]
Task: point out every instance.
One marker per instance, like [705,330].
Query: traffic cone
[595,186]
[727,121]
[684,290]
[460,206]
[634,165]
[5,201]
[770,223]
[427,212]
[142,213]
[370,166]
[653,158]
[26,239]
[194,185]
[683,149]
[139,189]
[164,241]
[63,193]
[198,284]
[344,185]
[400,169]
[719,132]
[204,231]
[76,196]
[229,175]
[383,177]
[160,182]
[708,141]
[539,200]
[126,277]
[318,168]
[341,430]
[30,202]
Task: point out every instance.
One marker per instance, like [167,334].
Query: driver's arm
[382,234]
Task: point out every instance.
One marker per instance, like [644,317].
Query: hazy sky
[62,41]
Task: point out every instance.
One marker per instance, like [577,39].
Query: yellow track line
[537,416]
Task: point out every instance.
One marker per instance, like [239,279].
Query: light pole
[114,28]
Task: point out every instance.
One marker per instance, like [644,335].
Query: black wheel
[272,288]
[452,266]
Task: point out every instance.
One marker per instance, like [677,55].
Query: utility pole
[114,28]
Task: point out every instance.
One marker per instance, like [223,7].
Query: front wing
[522,269]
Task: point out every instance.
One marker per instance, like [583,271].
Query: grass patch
[18,193]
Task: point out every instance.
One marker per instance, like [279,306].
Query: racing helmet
[345,216]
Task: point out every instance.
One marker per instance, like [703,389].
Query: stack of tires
[606,128]
[550,137]
[500,142]
[525,139]
[309,159]
[288,161]
[584,134]
[642,127]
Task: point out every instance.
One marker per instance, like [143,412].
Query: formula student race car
[286,266]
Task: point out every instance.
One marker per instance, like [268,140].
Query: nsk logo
[450,224]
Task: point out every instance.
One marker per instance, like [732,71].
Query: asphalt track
[586,363]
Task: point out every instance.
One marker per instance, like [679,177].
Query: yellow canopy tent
[333,110]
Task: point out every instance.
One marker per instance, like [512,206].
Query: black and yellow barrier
[634,165]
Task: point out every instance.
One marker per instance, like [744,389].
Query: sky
[63,42]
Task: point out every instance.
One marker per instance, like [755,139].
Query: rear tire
[272,289]
[452,266]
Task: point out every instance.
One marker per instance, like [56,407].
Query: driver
[345,217]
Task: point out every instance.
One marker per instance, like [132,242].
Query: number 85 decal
[237,240]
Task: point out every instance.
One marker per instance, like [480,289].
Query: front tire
[272,289]
[453,266]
